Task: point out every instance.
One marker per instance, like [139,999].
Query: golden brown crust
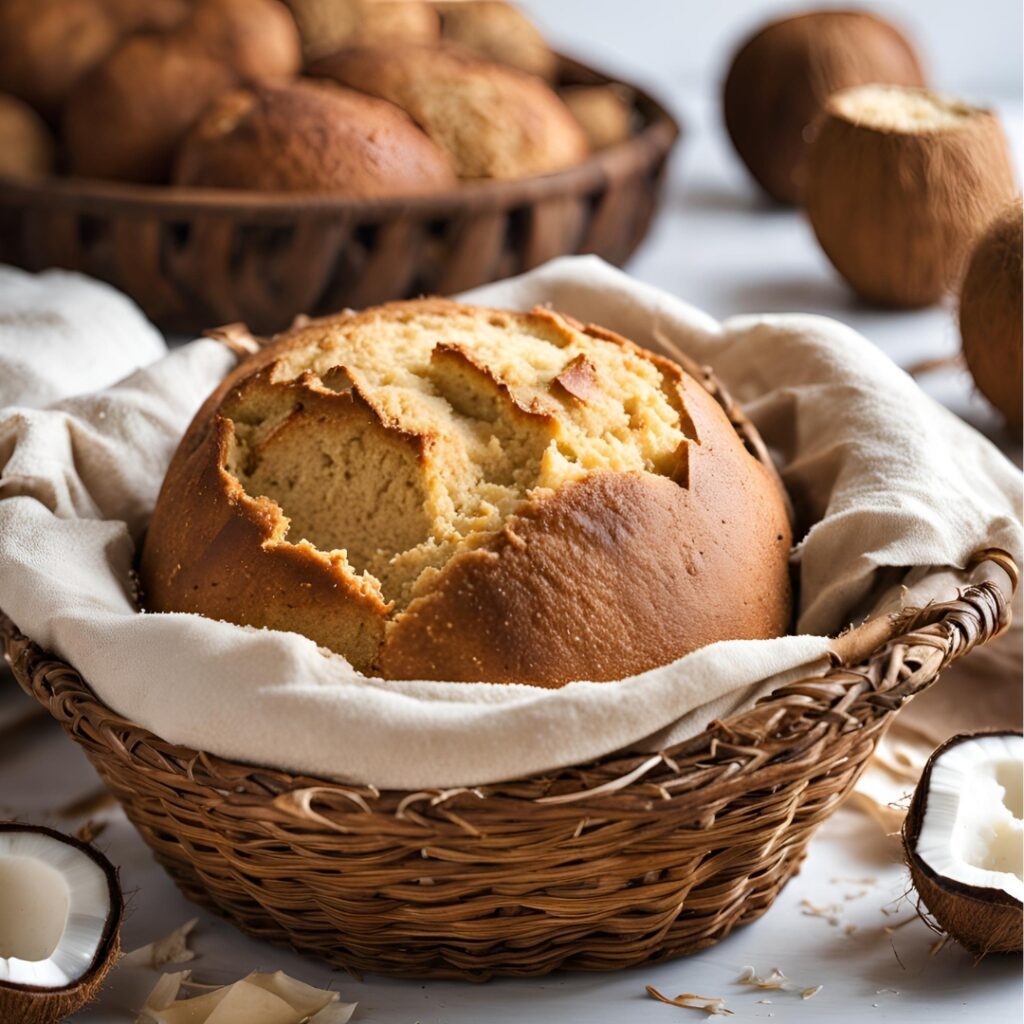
[609,577]
[600,578]
[495,121]
[215,553]
[310,136]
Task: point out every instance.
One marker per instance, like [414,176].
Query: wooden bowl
[196,257]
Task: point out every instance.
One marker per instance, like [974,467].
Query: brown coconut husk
[29,1004]
[896,206]
[782,76]
[981,920]
[992,314]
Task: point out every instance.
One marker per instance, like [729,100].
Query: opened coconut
[781,77]
[900,183]
[964,840]
[60,919]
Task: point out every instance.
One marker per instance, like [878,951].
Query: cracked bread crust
[438,491]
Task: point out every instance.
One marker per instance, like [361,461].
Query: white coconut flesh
[972,831]
[54,909]
[899,109]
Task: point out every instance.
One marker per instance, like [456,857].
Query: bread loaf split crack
[441,491]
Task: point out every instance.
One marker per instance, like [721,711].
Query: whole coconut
[781,77]
[992,314]
[26,146]
[47,46]
[899,184]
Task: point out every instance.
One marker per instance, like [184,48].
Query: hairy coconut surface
[39,1004]
[900,182]
[981,919]
[992,314]
[781,77]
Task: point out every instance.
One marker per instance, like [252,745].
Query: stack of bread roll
[363,98]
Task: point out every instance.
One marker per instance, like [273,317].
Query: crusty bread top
[439,491]
[468,413]
[310,136]
[495,121]
[498,31]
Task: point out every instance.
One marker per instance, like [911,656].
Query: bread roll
[329,25]
[313,137]
[604,112]
[495,122]
[26,146]
[499,32]
[46,46]
[440,491]
[127,118]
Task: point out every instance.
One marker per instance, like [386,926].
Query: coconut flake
[171,949]
[775,979]
[714,1006]
[809,993]
[255,999]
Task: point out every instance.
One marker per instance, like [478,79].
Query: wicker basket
[597,867]
[193,257]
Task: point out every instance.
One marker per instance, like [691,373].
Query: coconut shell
[26,146]
[981,920]
[992,314]
[781,77]
[28,1004]
[897,209]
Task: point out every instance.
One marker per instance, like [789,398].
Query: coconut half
[964,840]
[60,919]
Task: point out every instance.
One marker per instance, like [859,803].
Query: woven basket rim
[658,133]
[911,647]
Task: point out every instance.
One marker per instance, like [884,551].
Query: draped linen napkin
[882,478]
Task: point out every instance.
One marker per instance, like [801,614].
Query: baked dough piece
[311,136]
[495,122]
[447,492]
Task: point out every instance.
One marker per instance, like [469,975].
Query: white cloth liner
[887,477]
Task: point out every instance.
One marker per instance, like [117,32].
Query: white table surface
[718,245]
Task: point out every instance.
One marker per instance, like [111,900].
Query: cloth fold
[882,479]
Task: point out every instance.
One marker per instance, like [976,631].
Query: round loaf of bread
[47,46]
[495,121]
[446,492]
[127,118]
[311,136]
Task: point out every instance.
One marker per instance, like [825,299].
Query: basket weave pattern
[193,257]
[598,867]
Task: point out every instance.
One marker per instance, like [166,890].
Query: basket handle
[856,645]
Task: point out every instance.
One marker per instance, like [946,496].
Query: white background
[718,245]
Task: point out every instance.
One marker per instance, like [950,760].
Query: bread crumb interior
[398,442]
